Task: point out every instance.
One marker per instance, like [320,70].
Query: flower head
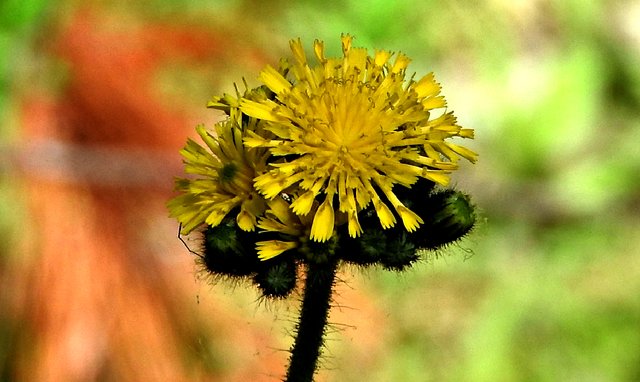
[350,129]
[224,177]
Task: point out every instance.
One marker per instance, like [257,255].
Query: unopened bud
[276,278]
[448,217]
[229,251]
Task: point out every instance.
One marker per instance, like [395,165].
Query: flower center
[228,172]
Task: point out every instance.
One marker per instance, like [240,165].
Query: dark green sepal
[276,278]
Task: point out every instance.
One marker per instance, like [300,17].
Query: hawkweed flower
[352,127]
[350,141]
[224,174]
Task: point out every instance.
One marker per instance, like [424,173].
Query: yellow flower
[224,177]
[353,127]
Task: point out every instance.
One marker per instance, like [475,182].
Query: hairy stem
[313,321]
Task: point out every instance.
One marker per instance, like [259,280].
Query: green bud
[277,277]
[229,251]
[390,248]
[448,216]
[400,253]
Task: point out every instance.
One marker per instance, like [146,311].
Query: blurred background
[97,97]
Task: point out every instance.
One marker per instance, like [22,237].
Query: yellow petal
[261,110]
[225,102]
[272,184]
[253,140]
[346,43]
[298,51]
[436,176]
[466,133]
[274,80]
[387,220]
[303,203]
[464,152]
[434,102]
[286,167]
[318,48]
[280,209]
[323,221]
[381,58]
[215,217]
[401,63]
[246,221]
[272,248]
[355,229]
[410,219]
[272,225]
[427,86]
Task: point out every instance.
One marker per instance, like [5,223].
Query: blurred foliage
[18,22]
[553,91]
